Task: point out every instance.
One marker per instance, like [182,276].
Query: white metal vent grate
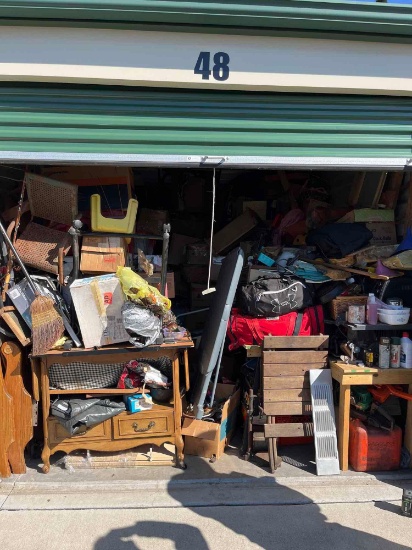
[327,458]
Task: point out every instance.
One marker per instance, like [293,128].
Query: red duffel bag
[243,330]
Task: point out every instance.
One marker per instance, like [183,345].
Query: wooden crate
[286,362]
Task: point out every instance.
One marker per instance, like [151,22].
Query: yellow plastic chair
[112,225]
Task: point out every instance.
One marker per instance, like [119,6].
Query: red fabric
[243,330]
[130,379]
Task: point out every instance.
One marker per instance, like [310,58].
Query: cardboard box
[137,403]
[150,222]
[195,273]
[259,207]
[197,253]
[384,233]
[209,439]
[247,247]
[156,278]
[197,299]
[234,231]
[90,175]
[177,248]
[195,322]
[102,254]
[98,303]
[369,215]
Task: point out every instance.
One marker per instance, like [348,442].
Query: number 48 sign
[220,70]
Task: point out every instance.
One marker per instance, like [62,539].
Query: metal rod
[165,256]
[123,235]
[212,398]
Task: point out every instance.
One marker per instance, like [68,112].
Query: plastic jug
[372,310]
[406,351]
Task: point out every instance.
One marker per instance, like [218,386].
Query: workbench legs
[180,459]
[343,432]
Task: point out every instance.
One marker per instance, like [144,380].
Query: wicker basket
[339,306]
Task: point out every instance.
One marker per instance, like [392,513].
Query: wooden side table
[350,375]
[157,426]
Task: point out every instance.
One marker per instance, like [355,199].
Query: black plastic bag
[79,415]
[337,240]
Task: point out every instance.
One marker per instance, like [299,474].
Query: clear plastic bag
[143,325]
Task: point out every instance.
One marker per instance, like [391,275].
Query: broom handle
[19,260]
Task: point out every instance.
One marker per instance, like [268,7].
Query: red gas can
[372,449]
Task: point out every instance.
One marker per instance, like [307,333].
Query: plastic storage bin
[372,449]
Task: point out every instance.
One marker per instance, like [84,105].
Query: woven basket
[339,306]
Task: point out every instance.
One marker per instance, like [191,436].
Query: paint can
[384,352]
[356,315]
[406,506]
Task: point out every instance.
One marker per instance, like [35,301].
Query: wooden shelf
[106,391]
[364,326]
[379,326]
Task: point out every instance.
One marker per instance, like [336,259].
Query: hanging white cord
[211,234]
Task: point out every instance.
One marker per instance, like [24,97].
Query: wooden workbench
[157,426]
[350,375]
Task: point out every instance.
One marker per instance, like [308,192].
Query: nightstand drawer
[143,424]
[57,433]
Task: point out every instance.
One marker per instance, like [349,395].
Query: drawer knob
[149,427]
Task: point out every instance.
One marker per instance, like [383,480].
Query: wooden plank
[35,378]
[253,351]
[285,382]
[284,180]
[351,374]
[294,342]
[295,357]
[6,427]
[20,331]
[102,391]
[119,350]
[64,358]
[287,369]
[406,220]
[356,188]
[22,406]
[379,189]
[276,396]
[393,189]
[396,377]
[287,408]
[304,429]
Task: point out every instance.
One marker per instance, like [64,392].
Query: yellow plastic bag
[140,292]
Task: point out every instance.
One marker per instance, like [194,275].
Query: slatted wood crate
[286,362]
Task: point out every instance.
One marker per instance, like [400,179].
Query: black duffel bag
[275,295]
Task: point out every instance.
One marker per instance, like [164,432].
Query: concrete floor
[207,507]
[321,527]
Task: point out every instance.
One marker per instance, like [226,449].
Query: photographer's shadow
[293,522]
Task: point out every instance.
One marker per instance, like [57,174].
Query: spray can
[395,352]
[384,352]
[406,506]
[369,358]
